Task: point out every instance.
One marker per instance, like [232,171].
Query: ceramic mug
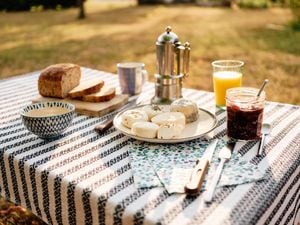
[132,77]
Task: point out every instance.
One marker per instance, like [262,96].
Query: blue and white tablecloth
[86,178]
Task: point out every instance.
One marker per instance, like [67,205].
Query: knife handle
[197,177]
[100,128]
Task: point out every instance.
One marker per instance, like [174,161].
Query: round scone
[134,115]
[187,107]
[169,130]
[169,117]
[144,129]
[152,110]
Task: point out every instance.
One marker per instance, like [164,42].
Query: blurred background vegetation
[263,33]
[115,31]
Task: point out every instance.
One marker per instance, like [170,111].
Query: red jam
[244,124]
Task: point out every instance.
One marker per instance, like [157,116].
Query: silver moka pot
[172,63]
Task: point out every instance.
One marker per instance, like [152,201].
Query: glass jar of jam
[244,113]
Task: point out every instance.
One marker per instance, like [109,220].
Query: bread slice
[57,80]
[86,88]
[104,95]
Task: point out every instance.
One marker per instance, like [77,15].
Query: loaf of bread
[86,88]
[57,80]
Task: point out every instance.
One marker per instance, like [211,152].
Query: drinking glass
[226,74]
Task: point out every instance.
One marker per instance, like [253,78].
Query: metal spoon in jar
[265,130]
[262,87]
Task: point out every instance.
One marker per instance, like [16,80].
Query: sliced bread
[104,95]
[86,88]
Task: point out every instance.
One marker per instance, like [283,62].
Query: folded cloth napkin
[170,165]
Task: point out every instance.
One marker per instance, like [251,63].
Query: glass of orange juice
[226,74]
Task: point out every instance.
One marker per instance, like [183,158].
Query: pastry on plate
[169,117]
[187,107]
[152,110]
[134,115]
[169,130]
[144,129]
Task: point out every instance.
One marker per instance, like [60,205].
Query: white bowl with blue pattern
[48,120]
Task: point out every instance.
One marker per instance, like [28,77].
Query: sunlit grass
[124,32]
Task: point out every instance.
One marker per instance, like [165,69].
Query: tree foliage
[18,5]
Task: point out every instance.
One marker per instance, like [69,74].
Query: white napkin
[170,165]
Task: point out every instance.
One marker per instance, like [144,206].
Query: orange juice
[224,80]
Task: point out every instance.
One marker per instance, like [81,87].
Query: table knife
[224,156]
[108,123]
[198,173]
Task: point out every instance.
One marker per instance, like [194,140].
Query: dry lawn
[117,32]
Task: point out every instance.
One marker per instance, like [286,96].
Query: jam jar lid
[244,95]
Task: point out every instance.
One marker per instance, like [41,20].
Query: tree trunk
[234,5]
[81,14]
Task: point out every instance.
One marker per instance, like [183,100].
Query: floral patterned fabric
[170,165]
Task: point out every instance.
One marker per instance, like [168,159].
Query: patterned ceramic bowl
[48,119]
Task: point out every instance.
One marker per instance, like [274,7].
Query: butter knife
[198,173]
[108,123]
[224,156]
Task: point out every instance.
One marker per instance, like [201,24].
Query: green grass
[125,32]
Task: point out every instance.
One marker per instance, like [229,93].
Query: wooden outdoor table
[86,178]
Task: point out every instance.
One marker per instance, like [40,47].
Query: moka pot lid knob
[167,37]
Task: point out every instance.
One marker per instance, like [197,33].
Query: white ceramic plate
[206,123]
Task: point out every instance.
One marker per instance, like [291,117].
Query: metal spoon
[266,129]
[262,87]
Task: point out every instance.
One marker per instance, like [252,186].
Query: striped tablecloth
[86,178]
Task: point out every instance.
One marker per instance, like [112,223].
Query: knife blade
[199,171]
[108,123]
[224,156]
